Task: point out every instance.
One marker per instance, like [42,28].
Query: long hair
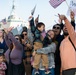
[53,39]
[11,45]
[19,38]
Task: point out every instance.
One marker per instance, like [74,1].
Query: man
[57,29]
[67,50]
[65,32]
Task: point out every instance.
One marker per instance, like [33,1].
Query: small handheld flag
[55,3]
[33,10]
[4,21]
[37,19]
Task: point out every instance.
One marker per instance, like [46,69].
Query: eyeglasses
[56,27]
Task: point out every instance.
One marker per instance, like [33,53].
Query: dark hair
[53,39]
[22,36]
[40,24]
[19,38]
[23,31]
[57,25]
[3,33]
[25,28]
[11,45]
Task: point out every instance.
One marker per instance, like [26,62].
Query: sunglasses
[24,34]
[17,38]
[56,27]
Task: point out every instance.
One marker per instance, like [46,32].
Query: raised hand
[62,17]
[72,15]
[6,30]
[36,19]
[30,17]
[10,29]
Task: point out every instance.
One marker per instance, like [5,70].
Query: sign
[72,6]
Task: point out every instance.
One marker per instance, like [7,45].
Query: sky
[43,8]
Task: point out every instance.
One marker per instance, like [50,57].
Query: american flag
[4,21]
[55,3]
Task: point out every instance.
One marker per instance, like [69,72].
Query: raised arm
[11,37]
[8,41]
[30,35]
[32,25]
[70,29]
[18,45]
[72,16]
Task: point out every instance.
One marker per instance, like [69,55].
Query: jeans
[42,72]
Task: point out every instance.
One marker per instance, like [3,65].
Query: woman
[3,46]
[27,45]
[50,50]
[14,54]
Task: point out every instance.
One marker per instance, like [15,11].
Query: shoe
[36,73]
[47,72]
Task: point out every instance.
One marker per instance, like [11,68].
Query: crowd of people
[37,52]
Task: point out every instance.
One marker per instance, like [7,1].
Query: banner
[72,7]
[55,3]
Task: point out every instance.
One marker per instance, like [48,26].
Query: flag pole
[67,5]
[33,10]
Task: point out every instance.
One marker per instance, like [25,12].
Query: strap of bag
[72,43]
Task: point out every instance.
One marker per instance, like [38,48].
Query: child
[38,43]
[3,66]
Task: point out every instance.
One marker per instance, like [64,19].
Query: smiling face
[57,29]
[24,34]
[41,28]
[51,34]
